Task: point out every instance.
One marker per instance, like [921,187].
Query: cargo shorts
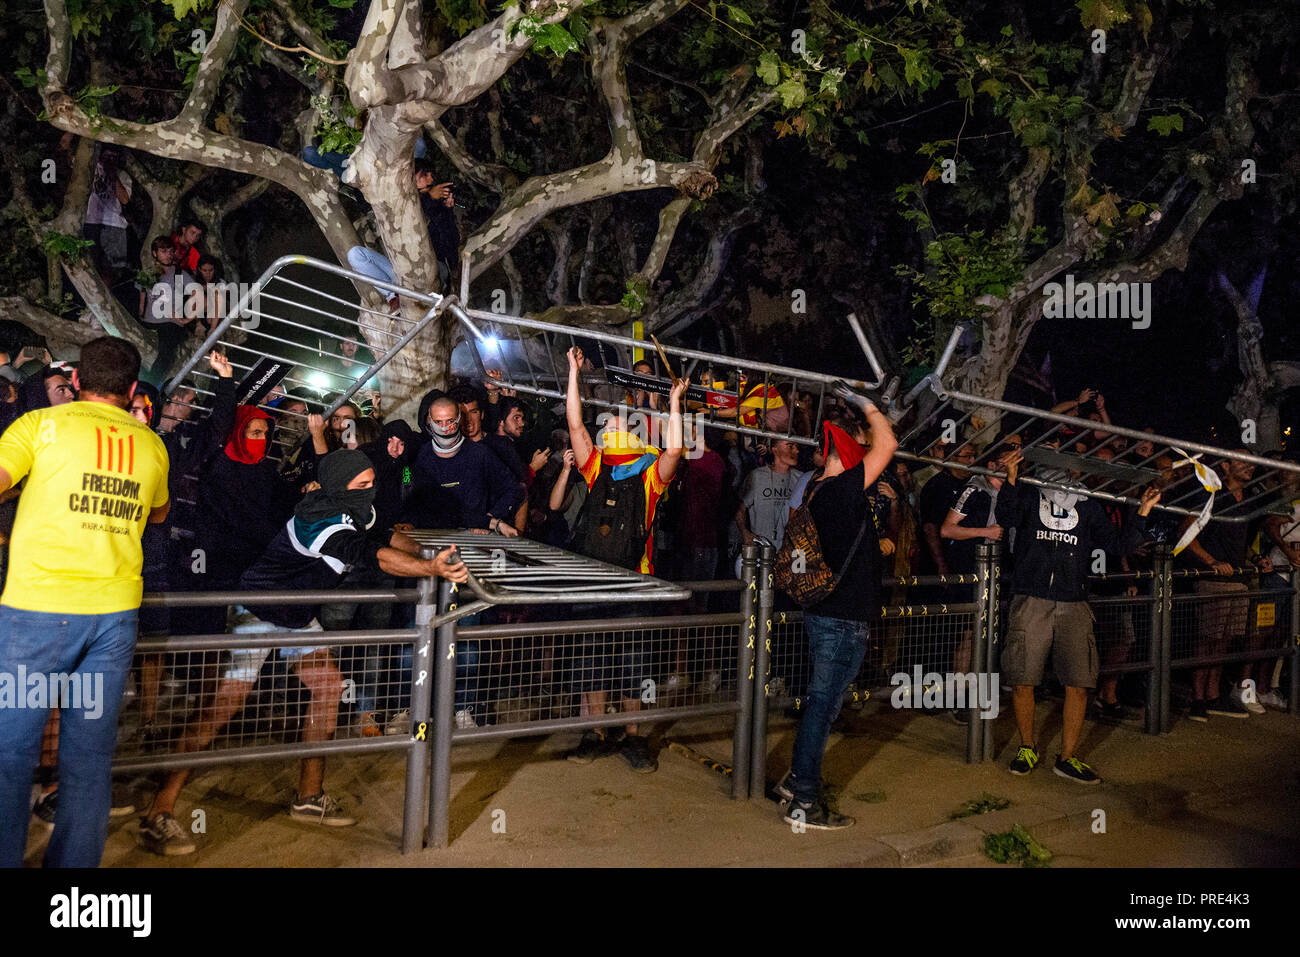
[1063,629]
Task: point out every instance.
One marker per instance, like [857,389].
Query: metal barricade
[183,676]
[529,677]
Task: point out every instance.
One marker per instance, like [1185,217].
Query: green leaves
[737,15]
[545,36]
[64,246]
[769,68]
[1016,846]
[555,38]
[634,298]
[182,8]
[1164,125]
[1102,14]
[792,93]
[29,79]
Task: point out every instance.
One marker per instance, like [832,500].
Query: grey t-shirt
[767,497]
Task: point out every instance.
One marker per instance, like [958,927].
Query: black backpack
[611,526]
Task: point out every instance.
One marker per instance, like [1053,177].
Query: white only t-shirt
[104,209]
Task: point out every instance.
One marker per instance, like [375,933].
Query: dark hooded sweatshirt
[1054,545]
[326,537]
[240,506]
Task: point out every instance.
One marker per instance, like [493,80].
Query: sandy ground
[1225,793]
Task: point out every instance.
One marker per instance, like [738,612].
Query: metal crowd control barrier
[267,334]
[1109,462]
[516,575]
[202,653]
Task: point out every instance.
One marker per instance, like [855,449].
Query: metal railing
[528,674]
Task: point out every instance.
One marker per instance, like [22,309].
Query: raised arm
[672,455]
[579,437]
[883,441]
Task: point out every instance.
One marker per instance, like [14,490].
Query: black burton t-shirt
[839,506]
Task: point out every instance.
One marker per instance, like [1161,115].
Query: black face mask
[334,497]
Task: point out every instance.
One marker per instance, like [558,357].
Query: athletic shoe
[465,719]
[1225,707]
[676,682]
[815,816]
[123,801]
[1026,760]
[1273,699]
[399,723]
[1076,771]
[162,834]
[784,788]
[1198,712]
[1113,711]
[776,688]
[635,750]
[44,808]
[370,728]
[714,682]
[592,746]
[1238,697]
[320,809]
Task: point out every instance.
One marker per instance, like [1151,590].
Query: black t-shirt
[937,497]
[839,507]
[1225,541]
[975,504]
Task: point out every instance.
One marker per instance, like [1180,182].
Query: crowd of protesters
[274,496]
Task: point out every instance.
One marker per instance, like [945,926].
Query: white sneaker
[465,719]
[714,682]
[1273,699]
[1254,706]
[677,682]
[399,723]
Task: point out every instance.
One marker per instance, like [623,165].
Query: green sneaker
[1025,761]
[1076,771]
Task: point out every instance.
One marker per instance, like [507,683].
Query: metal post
[417,756]
[1155,655]
[749,605]
[1165,637]
[742,737]
[990,646]
[1295,641]
[985,628]
[444,705]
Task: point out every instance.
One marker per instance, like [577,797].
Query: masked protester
[241,500]
[331,532]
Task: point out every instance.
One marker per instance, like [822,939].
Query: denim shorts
[245,663]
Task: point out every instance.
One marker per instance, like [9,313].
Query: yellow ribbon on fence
[1210,482]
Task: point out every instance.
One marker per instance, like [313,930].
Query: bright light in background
[492,342]
[318,380]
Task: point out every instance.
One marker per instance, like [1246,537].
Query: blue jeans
[469,684]
[836,647]
[96,650]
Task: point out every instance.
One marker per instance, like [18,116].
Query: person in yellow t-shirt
[95,476]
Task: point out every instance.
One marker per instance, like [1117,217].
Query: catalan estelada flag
[114,452]
[758,400]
